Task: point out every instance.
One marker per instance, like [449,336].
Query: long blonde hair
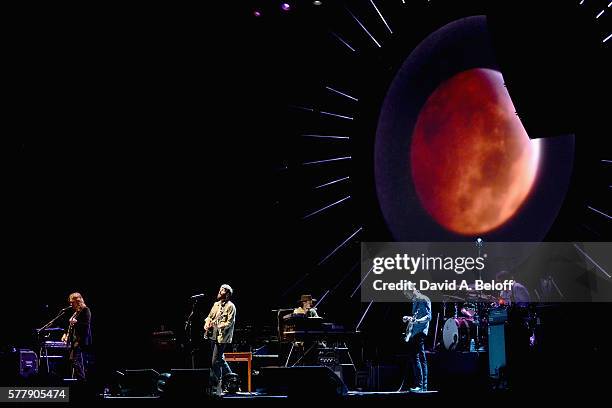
[77,296]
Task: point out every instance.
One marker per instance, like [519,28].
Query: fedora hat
[306,298]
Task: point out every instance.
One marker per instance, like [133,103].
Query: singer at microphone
[219,327]
[78,336]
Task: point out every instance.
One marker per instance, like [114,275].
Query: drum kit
[465,321]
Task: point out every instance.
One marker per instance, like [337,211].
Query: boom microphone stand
[42,345]
[189,329]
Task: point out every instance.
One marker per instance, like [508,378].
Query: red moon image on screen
[473,165]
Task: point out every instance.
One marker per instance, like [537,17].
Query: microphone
[66,308]
[197,296]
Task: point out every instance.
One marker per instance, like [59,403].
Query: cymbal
[482,297]
[457,298]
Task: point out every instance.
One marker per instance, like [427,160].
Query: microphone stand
[42,345]
[46,326]
[189,331]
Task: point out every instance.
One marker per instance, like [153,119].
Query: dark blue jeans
[416,352]
[219,365]
[78,363]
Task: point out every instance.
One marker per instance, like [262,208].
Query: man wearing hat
[305,307]
[219,326]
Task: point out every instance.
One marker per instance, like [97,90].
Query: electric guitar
[408,332]
[69,336]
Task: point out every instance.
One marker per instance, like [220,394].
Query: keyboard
[55,344]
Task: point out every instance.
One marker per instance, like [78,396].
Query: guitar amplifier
[498,316]
[17,363]
[164,341]
[497,342]
[28,363]
[328,357]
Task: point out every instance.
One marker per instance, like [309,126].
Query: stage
[312,191]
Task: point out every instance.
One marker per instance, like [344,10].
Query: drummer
[517,296]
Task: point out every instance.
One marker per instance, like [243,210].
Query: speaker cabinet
[139,383]
[303,382]
[188,383]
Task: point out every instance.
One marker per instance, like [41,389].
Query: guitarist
[78,336]
[219,326]
[417,328]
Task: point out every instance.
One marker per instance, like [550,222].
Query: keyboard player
[303,319]
[306,307]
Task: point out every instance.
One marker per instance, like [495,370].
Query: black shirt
[82,328]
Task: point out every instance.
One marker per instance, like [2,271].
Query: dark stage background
[160,156]
[143,176]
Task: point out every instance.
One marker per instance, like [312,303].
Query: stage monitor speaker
[192,383]
[303,382]
[139,383]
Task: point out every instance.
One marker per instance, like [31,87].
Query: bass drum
[457,334]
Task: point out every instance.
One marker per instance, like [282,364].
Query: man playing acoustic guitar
[219,327]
